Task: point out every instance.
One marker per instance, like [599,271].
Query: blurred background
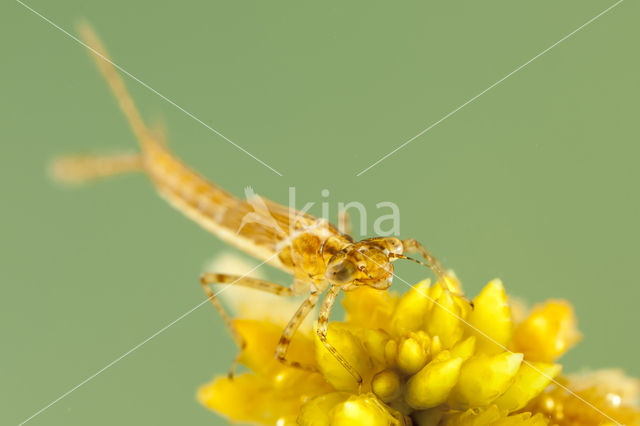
[536,182]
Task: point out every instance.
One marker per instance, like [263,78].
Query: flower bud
[484,378]
[431,385]
[491,319]
[386,385]
[412,355]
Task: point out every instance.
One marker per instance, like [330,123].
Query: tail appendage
[83,168]
[202,201]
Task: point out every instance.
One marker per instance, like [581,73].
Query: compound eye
[342,272]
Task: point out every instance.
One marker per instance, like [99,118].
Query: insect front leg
[413,246]
[212,278]
[293,325]
[323,325]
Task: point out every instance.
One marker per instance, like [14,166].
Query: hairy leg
[323,324]
[293,325]
[212,278]
[413,246]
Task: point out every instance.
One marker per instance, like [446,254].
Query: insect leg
[323,324]
[344,222]
[293,325]
[413,246]
[209,278]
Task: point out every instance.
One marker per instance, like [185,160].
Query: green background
[535,182]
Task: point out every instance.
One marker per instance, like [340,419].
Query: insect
[321,258]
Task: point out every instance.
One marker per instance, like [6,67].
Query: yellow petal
[464,349]
[529,382]
[452,283]
[363,409]
[612,394]
[484,378]
[248,398]
[391,352]
[431,385]
[548,332]
[442,356]
[375,343]
[491,319]
[368,307]
[436,346]
[316,411]
[412,355]
[444,320]
[351,349]
[261,338]
[411,310]
[494,417]
[386,385]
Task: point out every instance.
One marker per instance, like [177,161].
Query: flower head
[429,357]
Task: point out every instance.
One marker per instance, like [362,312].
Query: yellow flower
[613,395]
[272,393]
[428,358]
